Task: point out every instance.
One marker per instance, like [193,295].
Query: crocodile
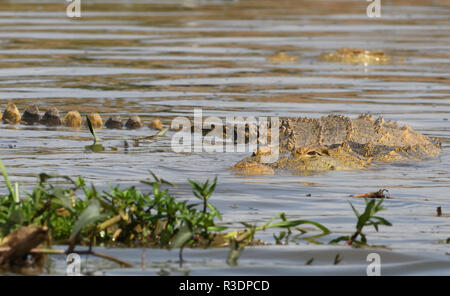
[282,57]
[73,119]
[336,142]
[356,56]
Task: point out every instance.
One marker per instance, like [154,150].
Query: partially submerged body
[340,143]
[356,56]
[73,119]
[282,57]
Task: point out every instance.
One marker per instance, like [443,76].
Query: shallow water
[164,58]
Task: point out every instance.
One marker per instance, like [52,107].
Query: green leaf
[271,219]
[354,210]
[90,215]
[91,129]
[248,225]
[382,221]
[288,224]
[95,148]
[215,211]
[184,235]
[5,177]
[167,183]
[154,176]
[339,239]
[16,192]
[162,132]
[364,217]
[65,202]
[217,228]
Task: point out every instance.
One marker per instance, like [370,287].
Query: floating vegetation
[78,214]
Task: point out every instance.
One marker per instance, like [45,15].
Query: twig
[104,256]
[143,258]
[180,254]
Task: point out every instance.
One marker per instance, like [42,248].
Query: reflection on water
[164,58]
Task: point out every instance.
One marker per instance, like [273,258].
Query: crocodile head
[306,159]
[321,158]
[336,142]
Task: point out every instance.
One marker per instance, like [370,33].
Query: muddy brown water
[162,59]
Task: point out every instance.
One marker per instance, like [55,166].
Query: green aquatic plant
[95,147]
[240,239]
[76,213]
[367,218]
[13,193]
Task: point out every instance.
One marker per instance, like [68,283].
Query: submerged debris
[14,252]
[11,114]
[51,118]
[376,194]
[31,115]
[114,122]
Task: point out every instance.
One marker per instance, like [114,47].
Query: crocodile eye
[312,153]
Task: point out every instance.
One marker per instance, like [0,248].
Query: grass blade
[92,130]
[5,177]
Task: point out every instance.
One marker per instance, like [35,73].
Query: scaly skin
[73,119]
[356,56]
[282,57]
[340,143]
